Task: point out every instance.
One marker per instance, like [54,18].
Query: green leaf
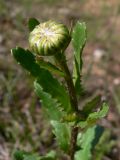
[78,41]
[32,23]
[87,142]
[22,155]
[50,67]
[93,117]
[49,84]
[49,156]
[79,88]
[62,133]
[51,106]
[91,104]
[31,157]
[18,155]
[27,60]
[57,91]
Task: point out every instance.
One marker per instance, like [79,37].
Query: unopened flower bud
[49,38]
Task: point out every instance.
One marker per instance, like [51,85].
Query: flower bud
[49,38]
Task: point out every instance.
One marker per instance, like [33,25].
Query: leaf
[31,157]
[18,155]
[49,156]
[57,91]
[27,60]
[78,41]
[49,84]
[62,133]
[93,117]
[50,67]
[22,155]
[87,142]
[91,104]
[32,23]
[51,106]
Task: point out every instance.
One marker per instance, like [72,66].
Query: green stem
[60,59]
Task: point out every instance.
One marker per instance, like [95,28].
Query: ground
[22,124]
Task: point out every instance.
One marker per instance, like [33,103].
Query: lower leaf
[62,132]
[87,142]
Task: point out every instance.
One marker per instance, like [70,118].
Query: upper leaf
[87,141]
[32,23]
[50,67]
[49,84]
[78,41]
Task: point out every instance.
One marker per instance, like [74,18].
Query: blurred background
[22,124]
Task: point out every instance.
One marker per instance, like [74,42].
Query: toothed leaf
[62,133]
[51,106]
[93,117]
[78,41]
[87,142]
[49,84]
[22,155]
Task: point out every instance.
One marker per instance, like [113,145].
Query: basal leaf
[62,133]
[32,23]
[49,84]
[78,41]
[87,141]
[93,117]
[51,106]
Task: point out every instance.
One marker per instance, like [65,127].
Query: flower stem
[60,59]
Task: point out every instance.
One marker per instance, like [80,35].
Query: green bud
[49,38]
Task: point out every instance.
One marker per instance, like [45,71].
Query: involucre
[49,38]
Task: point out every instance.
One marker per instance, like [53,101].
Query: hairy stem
[74,134]
[60,58]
